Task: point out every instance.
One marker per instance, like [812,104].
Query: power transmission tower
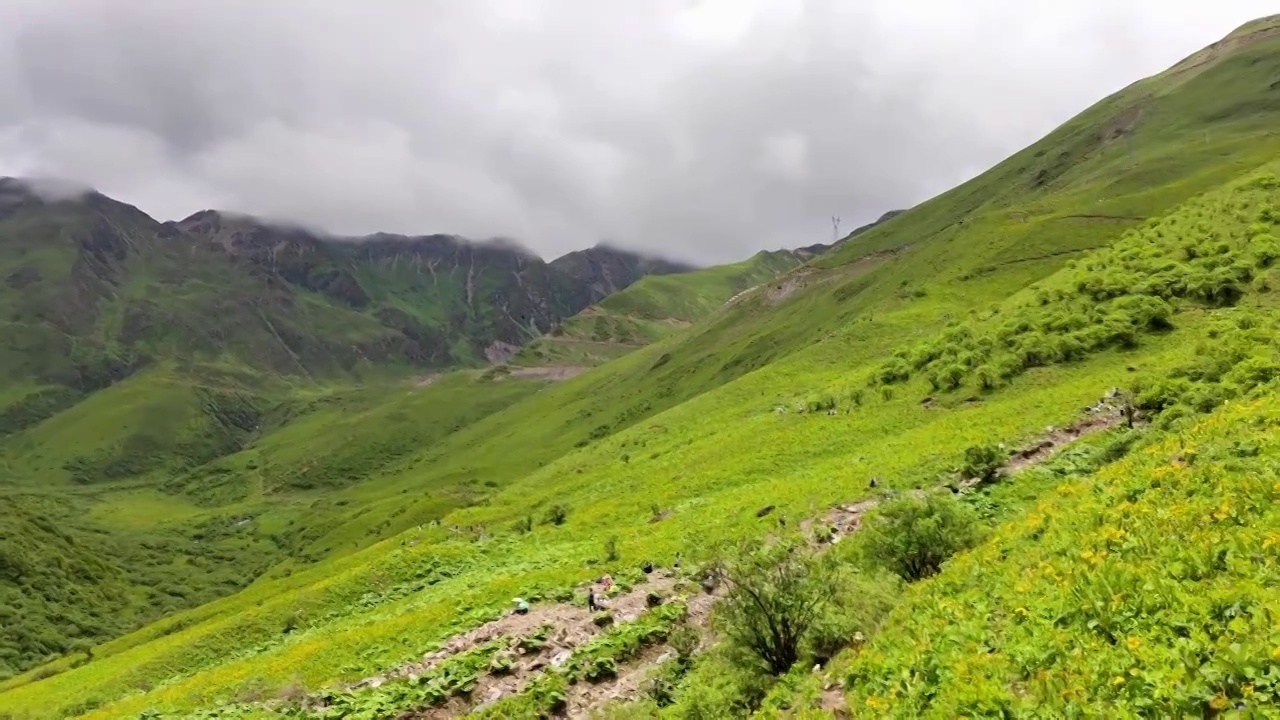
[835,228]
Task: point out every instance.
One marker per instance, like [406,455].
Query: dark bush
[557,514]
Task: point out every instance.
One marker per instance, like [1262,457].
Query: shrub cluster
[1211,252]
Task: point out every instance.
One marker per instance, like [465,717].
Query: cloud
[704,129]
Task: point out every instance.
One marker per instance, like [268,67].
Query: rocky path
[570,625]
[845,519]
[565,627]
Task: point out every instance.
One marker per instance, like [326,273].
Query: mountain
[650,309]
[95,289]
[985,350]
[605,270]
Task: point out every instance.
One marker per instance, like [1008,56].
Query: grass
[676,445]
[1147,588]
[654,308]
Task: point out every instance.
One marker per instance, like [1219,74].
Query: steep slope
[459,301]
[136,355]
[94,288]
[864,365]
[653,308]
[604,269]
[116,513]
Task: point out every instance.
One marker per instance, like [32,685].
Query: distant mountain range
[91,288]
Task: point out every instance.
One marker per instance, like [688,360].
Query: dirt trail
[553,373]
[1055,439]
[585,698]
[571,625]
[784,287]
[847,519]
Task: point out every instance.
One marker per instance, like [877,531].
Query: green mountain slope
[1132,247]
[655,307]
[95,289]
[137,356]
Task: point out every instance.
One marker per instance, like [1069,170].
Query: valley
[247,468]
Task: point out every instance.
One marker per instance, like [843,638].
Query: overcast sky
[703,129]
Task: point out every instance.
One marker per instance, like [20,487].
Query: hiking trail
[570,625]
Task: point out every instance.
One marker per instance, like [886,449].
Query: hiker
[677,565]
[522,607]
[648,568]
[607,581]
[592,605]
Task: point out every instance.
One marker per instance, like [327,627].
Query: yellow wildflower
[1247,690]
[1275,653]
[1133,643]
[1219,702]
[1271,538]
[1117,680]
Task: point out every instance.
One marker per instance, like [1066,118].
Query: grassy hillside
[211,363]
[117,516]
[1149,586]
[654,308]
[1133,247]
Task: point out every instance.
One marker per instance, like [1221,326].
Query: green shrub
[983,462]
[857,604]
[684,640]
[557,514]
[776,593]
[913,536]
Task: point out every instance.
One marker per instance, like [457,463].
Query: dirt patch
[1123,124]
[1209,56]
[584,698]
[788,285]
[425,381]
[569,627]
[1054,439]
[499,352]
[552,373]
[832,700]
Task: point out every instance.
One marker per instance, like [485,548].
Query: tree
[775,594]
[913,536]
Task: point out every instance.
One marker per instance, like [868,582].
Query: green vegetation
[456,675]
[1148,586]
[912,537]
[346,529]
[776,594]
[655,307]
